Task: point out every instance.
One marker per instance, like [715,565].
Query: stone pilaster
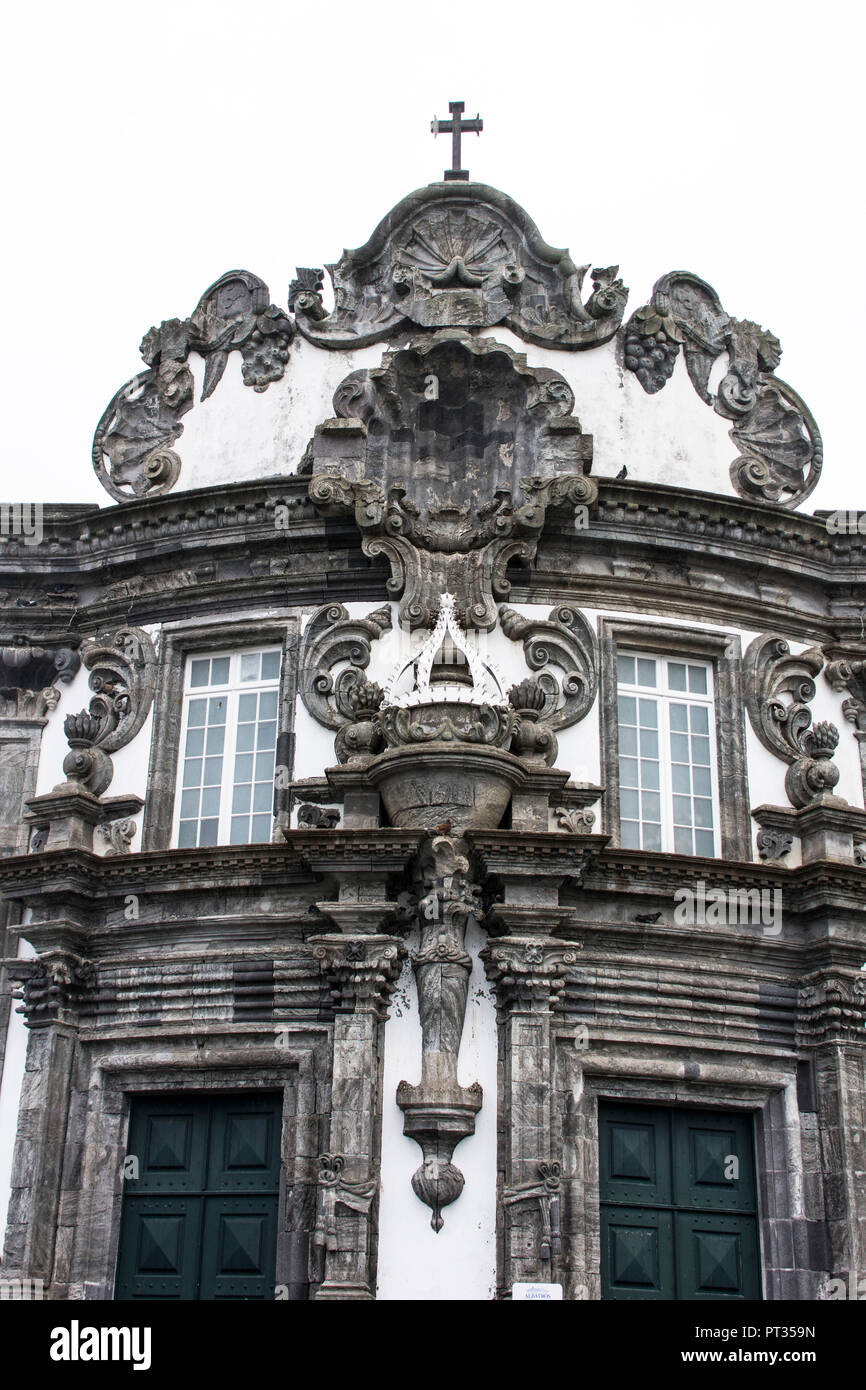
[528,974]
[361,971]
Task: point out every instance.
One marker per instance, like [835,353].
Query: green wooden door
[200,1220]
[678,1212]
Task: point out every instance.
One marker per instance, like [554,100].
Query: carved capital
[361,971]
[529,975]
[52,988]
[832,1009]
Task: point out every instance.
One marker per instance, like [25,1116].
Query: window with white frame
[225,791]
[667,754]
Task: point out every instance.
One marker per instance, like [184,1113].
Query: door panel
[200,1221]
[678,1206]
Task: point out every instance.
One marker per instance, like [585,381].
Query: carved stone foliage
[361,972]
[132,452]
[832,1009]
[337,1190]
[528,976]
[544,1193]
[778,687]
[459,256]
[123,666]
[28,704]
[312,817]
[850,675]
[563,640]
[577,820]
[28,667]
[439,1112]
[118,836]
[51,988]
[345,702]
[774,844]
[428,454]
[781,446]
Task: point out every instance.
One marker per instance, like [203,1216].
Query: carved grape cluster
[650,357]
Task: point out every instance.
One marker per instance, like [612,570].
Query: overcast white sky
[151,147]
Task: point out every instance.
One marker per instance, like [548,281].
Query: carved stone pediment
[462,256]
[429,452]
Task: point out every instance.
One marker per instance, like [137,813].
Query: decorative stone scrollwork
[833,1009]
[781,446]
[459,256]
[774,844]
[118,835]
[123,667]
[331,637]
[335,1191]
[427,456]
[783,726]
[52,987]
[577,820]
[132,452]
[565,640]
[546,1194]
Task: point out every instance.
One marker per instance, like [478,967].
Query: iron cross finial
[455,128]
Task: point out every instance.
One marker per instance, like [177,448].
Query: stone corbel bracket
[347,702]
[778,687]
[848,674]
[30,673]
[565,640]
[123,667]
[361,972]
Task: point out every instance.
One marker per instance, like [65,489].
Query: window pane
[682,841]
[210,801]
[651,808]
[246,738]
[681,778]
[261,829]
[676,675]
[700,719]
[192,772]
[680,748]
[682,810]
[627,739]
[189,804]
[649,743]
[652,837]
[628,804]
[627,706]
[630,834]
[250,662]
[270,666]
[648,714]
[208,832]
[649,776]
[219,670]
[247,708]
[264,767]
[625,670]
[700,750]
[241,798]
[263,797]
[701,781]
[704,843]
[216,739]
[197,712]
[216,713]
[698,679]
[267,736]
[213,770]
[646,672]
[244,767]
[186,835]
[194,742]
[268,704]
[628,772]
[680,718]
[703,811]
[199,673]
[239,834]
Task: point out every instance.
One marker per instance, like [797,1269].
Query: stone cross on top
[455,128]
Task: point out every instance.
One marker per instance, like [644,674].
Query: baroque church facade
[432,824]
